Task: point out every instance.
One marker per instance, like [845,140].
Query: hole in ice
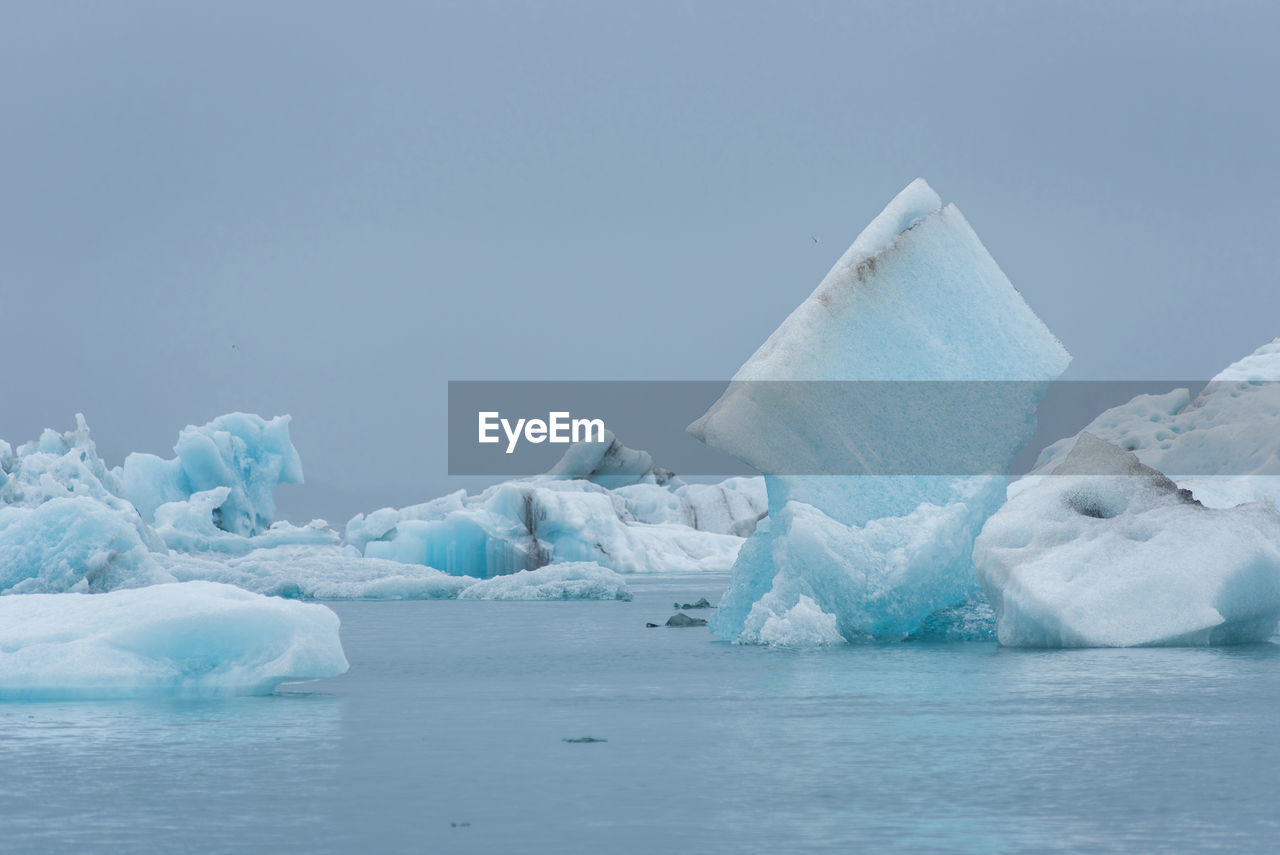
[1089,505]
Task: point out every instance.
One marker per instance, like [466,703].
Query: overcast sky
[330,210]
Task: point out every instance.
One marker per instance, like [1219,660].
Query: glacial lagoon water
[448,735]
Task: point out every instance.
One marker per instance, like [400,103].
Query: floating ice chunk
[610,464]
[1107,552]
[733,506]
[577,580]
[188,526]
[56,466]
[317,572]
[523,525]
[246,453]
[73,544]
[916,298]
[1223,443]
[332,573]
[190,639]
[881,580]
[602,503]
[802,625]
[63,466]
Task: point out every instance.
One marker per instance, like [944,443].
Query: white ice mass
[649,522]
[1107,552]
[1222,443]
[573,580]
[66,524]
[915,298]
[191,639]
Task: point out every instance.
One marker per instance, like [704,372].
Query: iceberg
[880,580]
[517,526]
[609,463]
[1222,443]
[66,525]
[566,516]
[1108,552]
[72,544]
[915,300]
[189,526]
[245,453]
[334,573]
[66,466]
[190,639]
[803,625]
[316,573]
[572,580]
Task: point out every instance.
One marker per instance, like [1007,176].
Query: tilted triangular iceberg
[919,311]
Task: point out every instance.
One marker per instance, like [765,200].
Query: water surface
[448,736]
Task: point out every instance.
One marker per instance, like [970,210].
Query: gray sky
[368,200]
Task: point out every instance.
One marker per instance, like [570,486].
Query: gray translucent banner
[787,428]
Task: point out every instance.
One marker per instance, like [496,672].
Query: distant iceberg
[73,544]
[193,639]
[915,298]
[1108,552]
[650,522]
[64,525]
[64,466]
[244,453]
[568,581]
[341,573]
[67,523]
[191,525]
[316,573]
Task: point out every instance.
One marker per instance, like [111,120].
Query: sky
[332,209]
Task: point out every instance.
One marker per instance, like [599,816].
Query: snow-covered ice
[915,298]
[189,639]
[1107,552]
[1223,443]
